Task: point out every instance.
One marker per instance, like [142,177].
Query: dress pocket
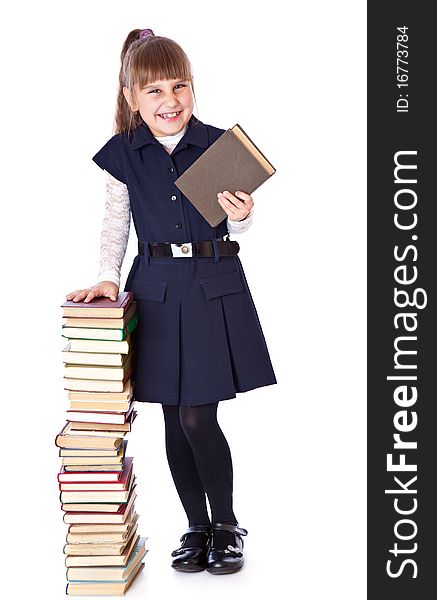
[149,290]
[220,285]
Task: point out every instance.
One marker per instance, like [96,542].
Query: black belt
[187,249]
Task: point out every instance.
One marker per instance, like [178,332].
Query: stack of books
[96,480]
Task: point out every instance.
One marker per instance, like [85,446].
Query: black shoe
[220,561]
[192,558]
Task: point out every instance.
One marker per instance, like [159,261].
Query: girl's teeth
[169,116]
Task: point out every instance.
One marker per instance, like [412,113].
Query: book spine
[255,146]
[132,324]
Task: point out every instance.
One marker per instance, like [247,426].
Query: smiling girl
[199,339]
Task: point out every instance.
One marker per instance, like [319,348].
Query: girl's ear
[129,99]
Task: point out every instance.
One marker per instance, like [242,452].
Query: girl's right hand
[104,288]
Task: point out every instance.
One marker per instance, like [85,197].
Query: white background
[295,81]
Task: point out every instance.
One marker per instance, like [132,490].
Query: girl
[199,339]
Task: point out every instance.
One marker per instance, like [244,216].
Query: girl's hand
[104,288]
[236,209]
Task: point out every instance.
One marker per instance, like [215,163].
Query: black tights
[200,463]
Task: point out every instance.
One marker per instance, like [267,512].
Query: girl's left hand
[236,207]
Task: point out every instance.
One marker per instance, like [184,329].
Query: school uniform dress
[199,339]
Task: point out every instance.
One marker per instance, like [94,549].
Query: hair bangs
[159,62]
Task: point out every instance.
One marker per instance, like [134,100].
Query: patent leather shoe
[220,561]
[192,558]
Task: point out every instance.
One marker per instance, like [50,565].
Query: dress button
[174,198]
[170,169]
[178,225]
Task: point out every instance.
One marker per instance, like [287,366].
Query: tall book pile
[96,480]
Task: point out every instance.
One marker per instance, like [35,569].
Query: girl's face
[162,98]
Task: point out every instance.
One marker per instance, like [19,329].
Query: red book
[99,307]
[103,416]
[98,481]
[112,513]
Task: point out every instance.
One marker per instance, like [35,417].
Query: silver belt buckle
[182,250]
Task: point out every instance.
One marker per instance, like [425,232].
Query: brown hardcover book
[94,497]
[103,588]
[99,513]
[95,480]
[76,528]
[103,536]
[114,574]
[84,396]
[68,438]
[108,560]
[104,373]
[111,323]
[97,406]
[95,426]
[99,307]
[96,385]
[87,453]
[105,359]
[99,549]
[231,163]
[103,419]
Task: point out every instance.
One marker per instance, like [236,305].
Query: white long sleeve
[241,226]
[115,230]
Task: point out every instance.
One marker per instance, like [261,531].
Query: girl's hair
[144,60]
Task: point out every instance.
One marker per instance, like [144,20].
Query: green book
[100,333]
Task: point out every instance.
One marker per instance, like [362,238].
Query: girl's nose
[171,99]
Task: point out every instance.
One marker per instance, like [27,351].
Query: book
[96,481]
[99,549]
[92,466]
[105,496]
[94,426]
[101,513]
[97,372]
[99,307]
[114,453]
[99,406]
[110,323]
[103,527]
[94,333]
[92,358]
[97,433]
[104,536]
[94,473]
[107,560]
[233,162]
[109,573]
[67,438]
[96,385]
[124,396]
[109,346]
[104,533]
[102,418]
[103,588]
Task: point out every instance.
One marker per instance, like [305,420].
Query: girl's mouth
[170,117]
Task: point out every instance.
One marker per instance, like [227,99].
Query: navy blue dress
[199,339]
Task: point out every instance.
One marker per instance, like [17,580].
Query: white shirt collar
[171,139]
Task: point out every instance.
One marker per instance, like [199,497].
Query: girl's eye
[177,85]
